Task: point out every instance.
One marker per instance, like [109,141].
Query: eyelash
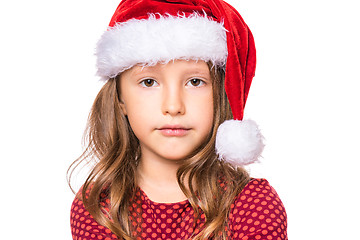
[143,83]
[202,82]
[152,82]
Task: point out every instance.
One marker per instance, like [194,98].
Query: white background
[305,97]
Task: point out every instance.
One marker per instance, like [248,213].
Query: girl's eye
[196,82]
[149,83]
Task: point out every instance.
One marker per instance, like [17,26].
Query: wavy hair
[114,148]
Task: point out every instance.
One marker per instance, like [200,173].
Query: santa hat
[148,32]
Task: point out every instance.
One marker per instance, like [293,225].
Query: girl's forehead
[184,65]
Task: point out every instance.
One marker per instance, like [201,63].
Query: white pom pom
[239,142]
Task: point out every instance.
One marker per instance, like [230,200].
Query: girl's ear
[121,100]
[122,106]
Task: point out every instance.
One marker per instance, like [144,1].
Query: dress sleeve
[258,213]
[83,225]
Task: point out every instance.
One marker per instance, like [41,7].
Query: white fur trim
[160,39]
[239,142]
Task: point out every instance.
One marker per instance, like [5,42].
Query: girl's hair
[212,184]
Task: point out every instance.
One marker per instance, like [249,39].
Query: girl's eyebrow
[197,72]
[191,70]
[200,71]
[144,69]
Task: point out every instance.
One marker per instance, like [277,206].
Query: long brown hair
[115,149]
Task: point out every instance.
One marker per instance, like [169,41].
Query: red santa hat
[148,32]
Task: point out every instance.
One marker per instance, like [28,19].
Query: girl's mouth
[174,131]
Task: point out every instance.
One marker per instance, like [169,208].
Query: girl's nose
[172,102]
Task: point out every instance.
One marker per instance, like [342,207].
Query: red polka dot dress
[257,213]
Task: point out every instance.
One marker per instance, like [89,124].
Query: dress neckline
[146,198]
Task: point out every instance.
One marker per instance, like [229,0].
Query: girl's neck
[158,180]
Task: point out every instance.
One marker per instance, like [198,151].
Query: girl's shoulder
[83,225]
[258,212]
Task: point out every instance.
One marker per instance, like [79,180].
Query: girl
[165,131]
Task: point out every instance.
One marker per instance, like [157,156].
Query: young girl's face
[169,107]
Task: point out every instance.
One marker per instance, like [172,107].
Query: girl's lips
[174,131]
